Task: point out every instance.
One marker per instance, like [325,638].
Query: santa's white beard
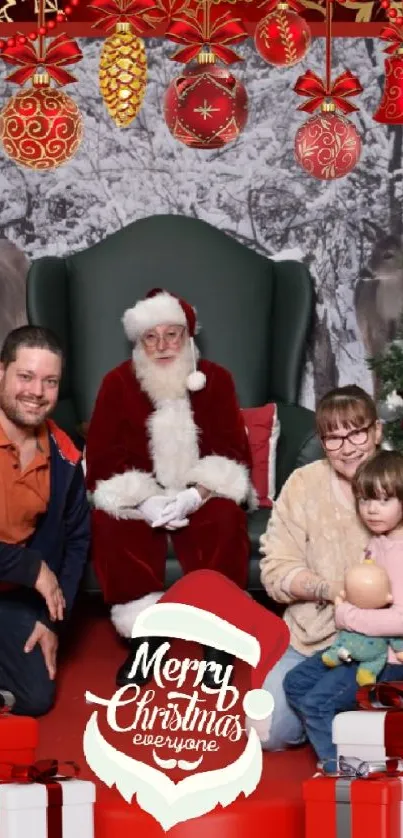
[163,381]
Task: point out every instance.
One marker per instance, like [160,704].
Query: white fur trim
[163,308]
[196,381]
[124,616]
[223,476]
[121,493]
[173,443]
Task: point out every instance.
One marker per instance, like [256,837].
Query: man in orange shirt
[44,519]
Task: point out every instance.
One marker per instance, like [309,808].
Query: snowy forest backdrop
[253,190]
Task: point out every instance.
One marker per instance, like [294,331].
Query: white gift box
[23,810]
[360,733]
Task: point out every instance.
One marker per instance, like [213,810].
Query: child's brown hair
[382,474]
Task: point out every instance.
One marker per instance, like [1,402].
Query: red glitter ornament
[40,128]
[283,37]
[206,106]
[328,145]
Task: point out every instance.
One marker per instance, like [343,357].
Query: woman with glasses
[313,536]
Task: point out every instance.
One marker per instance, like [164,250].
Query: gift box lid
[35,795]
[360,727]
[382,790]
[18,732]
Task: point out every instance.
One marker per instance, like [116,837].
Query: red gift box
[19,737]
[343,807]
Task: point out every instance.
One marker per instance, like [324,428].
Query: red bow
[394,34]
[381,696]
[142,14]
[42,771]
[225,30]
[62,50]
[311,85]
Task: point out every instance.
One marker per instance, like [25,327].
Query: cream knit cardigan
[313,526]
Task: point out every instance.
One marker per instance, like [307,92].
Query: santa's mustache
[170,764]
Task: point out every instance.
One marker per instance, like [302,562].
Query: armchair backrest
[255,314]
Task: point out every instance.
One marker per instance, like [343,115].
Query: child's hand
[340,598]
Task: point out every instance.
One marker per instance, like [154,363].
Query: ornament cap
[123,26]
[328,107]
[282,6]
[41,79]
[206,58]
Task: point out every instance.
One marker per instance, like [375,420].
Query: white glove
[179,508]
[152,508]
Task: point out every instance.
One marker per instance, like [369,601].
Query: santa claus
[167,457]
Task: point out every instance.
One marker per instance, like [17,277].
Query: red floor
[90,663]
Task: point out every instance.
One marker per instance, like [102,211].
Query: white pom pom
[196,381]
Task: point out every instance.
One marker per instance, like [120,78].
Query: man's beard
[163,381]
[16,413]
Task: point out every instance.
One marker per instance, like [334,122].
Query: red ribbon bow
[61,51]
[141,14]
[381,696]
[42,771]
[225,30]
[311,85]
[394,34]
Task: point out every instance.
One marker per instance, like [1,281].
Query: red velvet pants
[129,556]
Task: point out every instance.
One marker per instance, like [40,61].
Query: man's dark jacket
[62,535]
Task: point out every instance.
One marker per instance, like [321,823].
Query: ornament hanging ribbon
[191,32]
[141,14]
[395,35]
[346,85]
[48,773]
[272,5]
[61,51]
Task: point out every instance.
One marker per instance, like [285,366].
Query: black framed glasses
[358,436]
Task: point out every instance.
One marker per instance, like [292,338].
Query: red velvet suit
[135,450]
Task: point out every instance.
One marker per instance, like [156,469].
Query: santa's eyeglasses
[358,437]
[170,337]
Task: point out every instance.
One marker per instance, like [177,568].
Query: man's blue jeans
[23,674]
[317,694]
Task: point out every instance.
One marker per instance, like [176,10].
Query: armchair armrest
[298,443]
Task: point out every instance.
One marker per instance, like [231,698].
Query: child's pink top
[382,622]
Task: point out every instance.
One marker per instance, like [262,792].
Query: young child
[315,692]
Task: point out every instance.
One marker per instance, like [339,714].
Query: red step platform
[89,663]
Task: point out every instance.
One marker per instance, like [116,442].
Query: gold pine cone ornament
[123,74]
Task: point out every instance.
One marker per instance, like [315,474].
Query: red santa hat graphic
[161,307]
[208,608]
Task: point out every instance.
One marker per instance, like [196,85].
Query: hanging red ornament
[283,37]
[206,106]
[41,128]
[328,145]
[390,109]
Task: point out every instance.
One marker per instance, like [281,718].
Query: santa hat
[158,307]
[206,607]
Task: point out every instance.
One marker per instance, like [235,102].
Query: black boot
[221,658]
[123,673]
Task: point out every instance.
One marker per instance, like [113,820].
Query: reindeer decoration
[378,297]
[13,273]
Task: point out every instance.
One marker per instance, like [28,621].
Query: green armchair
[255,316]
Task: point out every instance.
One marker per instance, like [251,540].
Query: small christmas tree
[388,368]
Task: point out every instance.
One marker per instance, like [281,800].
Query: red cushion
[263,429]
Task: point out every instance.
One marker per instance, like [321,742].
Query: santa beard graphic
[163,381]
[167,801]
